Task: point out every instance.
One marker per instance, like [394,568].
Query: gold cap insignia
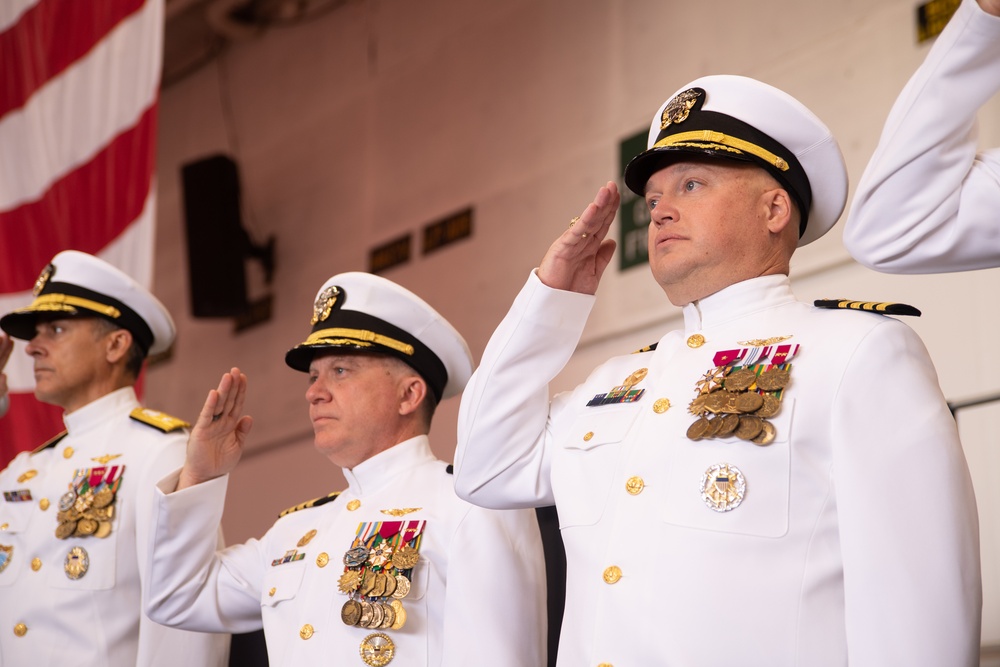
[325,302]
[679,107]
[43,279]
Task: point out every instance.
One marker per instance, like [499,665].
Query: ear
[117,344]
[413,391]
[780,211]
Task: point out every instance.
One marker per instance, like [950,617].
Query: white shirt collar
[381,470]
[96,413]
[736,301]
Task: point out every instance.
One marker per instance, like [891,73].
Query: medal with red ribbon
[743,390]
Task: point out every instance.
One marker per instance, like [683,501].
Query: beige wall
[387,114]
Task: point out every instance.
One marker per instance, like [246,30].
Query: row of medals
[380,588]
[85,514]
[737,402]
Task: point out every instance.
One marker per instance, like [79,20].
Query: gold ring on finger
[574,221]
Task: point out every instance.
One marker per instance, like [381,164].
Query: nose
[662,213]
[316,392]
[34,347]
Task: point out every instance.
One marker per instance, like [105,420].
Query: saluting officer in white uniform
[74,518]
[396,568]
[774,484]
[928,202]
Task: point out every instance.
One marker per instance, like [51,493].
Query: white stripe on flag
[12,10]
[76,114]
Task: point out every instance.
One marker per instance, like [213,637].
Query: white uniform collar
[96,412]
[737,301]
[381,470]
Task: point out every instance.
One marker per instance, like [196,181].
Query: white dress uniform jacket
[927,202]
[48,619]
[857,537]
[477,596]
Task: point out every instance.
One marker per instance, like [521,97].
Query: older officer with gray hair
[777,483]
[396,568]
[74,528]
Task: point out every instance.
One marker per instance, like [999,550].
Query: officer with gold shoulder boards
[775,483]
[396,568]
[74,528]
[928,200]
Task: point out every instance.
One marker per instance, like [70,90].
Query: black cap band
[68,300]
[719,135]
[353,330]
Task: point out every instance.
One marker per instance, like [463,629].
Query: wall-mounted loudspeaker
[216,241]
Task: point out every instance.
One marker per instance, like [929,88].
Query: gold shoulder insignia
[881,307]
[648,348]
[51,443]
[158,420]
[315,502]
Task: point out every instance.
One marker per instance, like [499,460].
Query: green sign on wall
[633,215]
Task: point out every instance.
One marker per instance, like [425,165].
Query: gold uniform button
[20,629]
[68,452]
[661,405]
[44,504]
[588,435]
[271,592]
[605,664]
[323,559]
[612,574]
[353,505]
[36,564]
[306,632]
[635,485]
[696,340]
[4,526]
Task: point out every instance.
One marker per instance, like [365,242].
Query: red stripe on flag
[50,37]
[85,210]
[27,415]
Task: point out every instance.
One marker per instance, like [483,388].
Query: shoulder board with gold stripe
[51,443]
[648,348]
[315,502]
[881,307]
[158,420]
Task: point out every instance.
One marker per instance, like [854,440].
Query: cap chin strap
[338,336]
[65,303]
[724,142]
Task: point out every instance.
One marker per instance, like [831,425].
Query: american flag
[79,85]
